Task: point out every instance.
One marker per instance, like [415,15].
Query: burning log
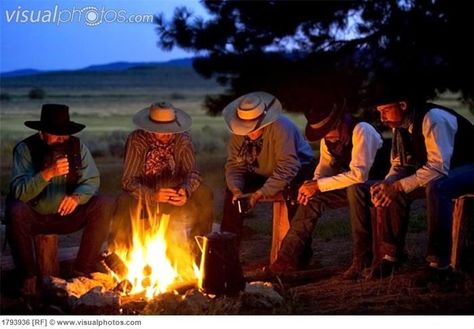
[123,288]
[114,264]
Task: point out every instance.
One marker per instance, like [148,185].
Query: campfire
[159,260]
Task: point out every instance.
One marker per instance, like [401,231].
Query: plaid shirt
[141,182]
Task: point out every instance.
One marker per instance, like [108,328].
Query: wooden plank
[459,224]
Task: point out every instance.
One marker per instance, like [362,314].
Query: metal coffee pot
[221,271]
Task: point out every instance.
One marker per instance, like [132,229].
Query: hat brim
[240,127]
[314,135]
[69,129]
[182,123]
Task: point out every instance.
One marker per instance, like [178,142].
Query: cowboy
[267,154]
[350,153]
[429,154]
[54,191]
[160,175]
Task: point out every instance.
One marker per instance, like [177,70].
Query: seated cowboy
[160,176]
[267,154]
[429,154]
[351,153]
[54,190]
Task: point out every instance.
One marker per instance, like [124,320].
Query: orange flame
[160,257]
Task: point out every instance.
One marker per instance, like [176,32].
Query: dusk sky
[76,34]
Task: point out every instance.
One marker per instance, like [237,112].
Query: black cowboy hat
[321,121]
[55,120]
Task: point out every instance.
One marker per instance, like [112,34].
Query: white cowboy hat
[251,112]
[162,117]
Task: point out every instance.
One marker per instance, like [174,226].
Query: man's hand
[179,199]
[254,198]
[307,190]
[383,193]
[235,195]
[166,195]
[68,204]
[59,168]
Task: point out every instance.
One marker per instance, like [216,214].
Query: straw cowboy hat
[251,112]
[55,120]
[322,121]
[162,117]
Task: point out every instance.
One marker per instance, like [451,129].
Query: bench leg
[281,225]
[46,249]
[457,231]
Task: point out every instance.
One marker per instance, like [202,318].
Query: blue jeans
[439,196]
[356,197]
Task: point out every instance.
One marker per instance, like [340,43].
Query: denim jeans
[356,197]
[24,223]
[232,220]
[439,195]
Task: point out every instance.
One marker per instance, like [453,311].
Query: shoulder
[183,139]
[437,115]
[365,128]
[365,132]
[137,137]
[21,148]
[283,124]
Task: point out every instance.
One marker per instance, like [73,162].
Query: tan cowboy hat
[251,112]
[162,117]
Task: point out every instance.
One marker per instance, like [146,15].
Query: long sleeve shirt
[439,129]
[27,183]
[283,152]
[366,141]
[142,186]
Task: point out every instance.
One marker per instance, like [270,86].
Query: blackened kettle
[221,271]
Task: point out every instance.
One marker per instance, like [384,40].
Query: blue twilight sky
[51,35]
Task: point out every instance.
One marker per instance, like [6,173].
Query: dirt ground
[320,289]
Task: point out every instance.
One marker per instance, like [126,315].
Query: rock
[261,295]
[194,302]
[106,280]
[99,298]
[167,303]
[81,285]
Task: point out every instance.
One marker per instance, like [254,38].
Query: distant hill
[116,66]
[20,73]
[113,76]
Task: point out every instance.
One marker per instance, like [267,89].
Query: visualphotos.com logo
[89,15]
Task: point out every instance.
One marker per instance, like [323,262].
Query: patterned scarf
[249,152]
[159,159]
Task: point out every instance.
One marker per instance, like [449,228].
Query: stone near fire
[98,297]
[260,294]
[194,302]
[81,285]
[104,279]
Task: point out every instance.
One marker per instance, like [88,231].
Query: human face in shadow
[255,134]
[392,114]
[52,140]
[164,137]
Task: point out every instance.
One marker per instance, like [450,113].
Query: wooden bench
[281,223]
[462,215]
[46,250]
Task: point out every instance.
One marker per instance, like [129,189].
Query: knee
[17,212]
[357,192]
[435,189]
